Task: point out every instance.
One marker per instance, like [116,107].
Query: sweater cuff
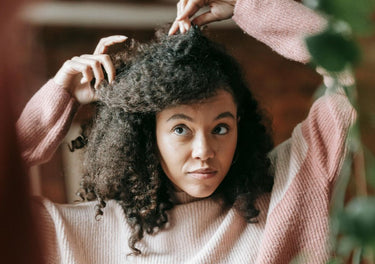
[55,93]
[44,122]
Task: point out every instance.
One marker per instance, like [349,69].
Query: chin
[200,193]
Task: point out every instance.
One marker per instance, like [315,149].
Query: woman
[204,173]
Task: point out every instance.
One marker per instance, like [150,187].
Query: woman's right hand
[76,74]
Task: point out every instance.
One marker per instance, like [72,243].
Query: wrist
[60,80]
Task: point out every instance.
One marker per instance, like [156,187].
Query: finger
[185,22]
[108,67]
[87,74]
[204,19]
[187,25]
[106,62]
[173,28]
[71,68]
[85,69]
[181,27]
[189,10]
[96,68]
[179,8]
[104,43]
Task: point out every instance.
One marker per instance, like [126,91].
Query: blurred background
[58,30]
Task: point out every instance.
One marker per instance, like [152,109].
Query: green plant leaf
[335,261]
[357,256]
[332,51]
[358,220]
[345,246]
[354,138]
[356,13]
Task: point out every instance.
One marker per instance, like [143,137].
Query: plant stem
[357,255]
[359,171]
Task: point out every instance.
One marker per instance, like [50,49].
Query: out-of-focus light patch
[103,15]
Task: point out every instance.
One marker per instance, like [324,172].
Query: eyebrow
[224,115]
[188,118]
[180,116]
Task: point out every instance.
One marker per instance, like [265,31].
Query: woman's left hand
[219,10]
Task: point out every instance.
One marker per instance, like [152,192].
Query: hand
[77,73]
[219,10]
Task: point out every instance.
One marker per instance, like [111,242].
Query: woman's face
[197,142]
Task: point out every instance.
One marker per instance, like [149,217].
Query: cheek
[228,151]
[163,148]
[170,152]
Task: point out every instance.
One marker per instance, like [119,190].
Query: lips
[203,173]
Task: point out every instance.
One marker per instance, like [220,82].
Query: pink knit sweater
[294,218]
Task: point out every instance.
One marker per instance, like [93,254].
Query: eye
[221,129]
[181,130]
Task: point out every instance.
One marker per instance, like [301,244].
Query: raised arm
[281,24]
[48,115]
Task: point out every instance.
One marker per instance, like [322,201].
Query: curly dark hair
[121,160]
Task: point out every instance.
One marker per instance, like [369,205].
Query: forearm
[44,123]
[280,24]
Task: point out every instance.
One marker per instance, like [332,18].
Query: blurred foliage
[356,13]
[370,169]
[357,221]
[336,50]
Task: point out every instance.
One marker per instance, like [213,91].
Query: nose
[203,149]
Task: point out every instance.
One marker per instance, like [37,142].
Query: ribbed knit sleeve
[326,128]
[44,122]
[280,24]
[283,25]
[307,164]
[306,167]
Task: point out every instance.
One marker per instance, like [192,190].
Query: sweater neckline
[182,197]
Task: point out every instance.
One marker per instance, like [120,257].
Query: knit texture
[44,122]
[293,220]
[281,24]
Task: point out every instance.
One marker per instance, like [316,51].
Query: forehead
[222,101]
